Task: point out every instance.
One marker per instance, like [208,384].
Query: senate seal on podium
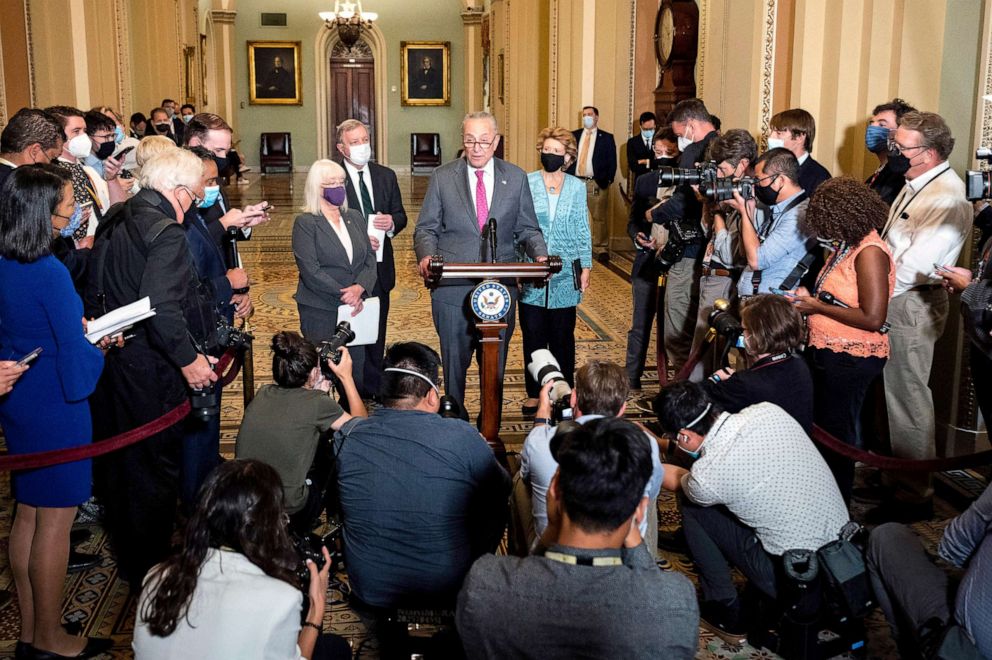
[490,301]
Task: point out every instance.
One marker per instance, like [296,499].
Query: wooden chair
[425,152]
[276,150]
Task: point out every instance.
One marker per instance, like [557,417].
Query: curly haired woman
[846,348]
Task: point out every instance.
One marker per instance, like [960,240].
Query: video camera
[722,189]
[687,176]
[329,349]
[978,183]
[681,234]
[544,368]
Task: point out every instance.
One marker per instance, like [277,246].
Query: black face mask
[766,194]
[105,150]
[552,162]
[221,163]
[664,161]
[898,163]
[162,128]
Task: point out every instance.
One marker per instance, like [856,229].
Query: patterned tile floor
[100,602]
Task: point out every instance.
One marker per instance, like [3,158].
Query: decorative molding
[3,94]
[472,16]
[122,34]
[359,51]
[630,66]
[223,16]
[704,21]
[30,45]
[553,52]
[505,56]
[324,44]
[767,85]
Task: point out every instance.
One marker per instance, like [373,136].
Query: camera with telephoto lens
[722,189]
[544,369]
[230,337]
[978,183]
[329,349]
[723,322]
[688,176]
[681,234]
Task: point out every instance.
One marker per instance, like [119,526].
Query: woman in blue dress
[547,313]
[47,407]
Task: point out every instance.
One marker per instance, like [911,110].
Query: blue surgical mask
[210,195]
[588,121]
[118,134]
[694,454]
[647,133]
[877,139]
[75,221]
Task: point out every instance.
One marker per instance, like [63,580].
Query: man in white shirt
[927,226]
[757,488]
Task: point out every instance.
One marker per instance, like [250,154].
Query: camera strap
[766,229]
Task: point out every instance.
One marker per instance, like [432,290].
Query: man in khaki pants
[597,166]
[928,224]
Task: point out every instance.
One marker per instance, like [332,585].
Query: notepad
[379,234]
[365,324]
[122,318]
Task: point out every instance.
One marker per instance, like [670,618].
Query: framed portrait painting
[425,71]
[274,73]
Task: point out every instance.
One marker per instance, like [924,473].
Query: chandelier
[349,19]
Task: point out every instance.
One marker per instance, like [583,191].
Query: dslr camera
[544,368]
[329,349]
[230,337]
[978,183]
[722,189]
[311,547]
[724,324]
[687,176]
[681,233]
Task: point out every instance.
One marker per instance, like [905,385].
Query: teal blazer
[567,235]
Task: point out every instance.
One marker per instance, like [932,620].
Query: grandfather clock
[676,41]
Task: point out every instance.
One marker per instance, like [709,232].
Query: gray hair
[481,114]
[171,169]
[348,125]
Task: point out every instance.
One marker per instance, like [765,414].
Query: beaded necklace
[840,253]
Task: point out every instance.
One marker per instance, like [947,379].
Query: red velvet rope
[119,441]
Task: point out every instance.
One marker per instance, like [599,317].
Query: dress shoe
[79,536]
[81,561]
[724,621]
[901,512]
[94,647]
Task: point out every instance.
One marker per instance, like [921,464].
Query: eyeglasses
[470,143]
[895,145]
[106,138]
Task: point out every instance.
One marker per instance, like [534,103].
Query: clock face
[666,34]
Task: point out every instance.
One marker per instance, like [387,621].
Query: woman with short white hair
[334,256]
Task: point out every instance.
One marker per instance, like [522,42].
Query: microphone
[827,297]
[491,233]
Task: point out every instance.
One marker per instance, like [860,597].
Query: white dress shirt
[236,611]
[488,180]
[928,224]
[367,175]
[585,169]
[341,231]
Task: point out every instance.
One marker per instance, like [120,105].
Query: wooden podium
[490,325]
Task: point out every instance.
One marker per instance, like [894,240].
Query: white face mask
[588,121]
[360,154]
[684,140]
[775,143]
[80,146]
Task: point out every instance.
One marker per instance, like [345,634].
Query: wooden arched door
[352,90]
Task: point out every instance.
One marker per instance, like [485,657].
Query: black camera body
[722,188]
[329,349]
[230,337]
[725,324]
[204,404]
[311,547]
[978,183]
[681,234]
[687,176]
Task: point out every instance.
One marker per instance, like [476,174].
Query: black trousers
[981,376]
[840,383]
[375,353]
[553,329]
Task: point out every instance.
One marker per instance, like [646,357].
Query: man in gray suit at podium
[461,198]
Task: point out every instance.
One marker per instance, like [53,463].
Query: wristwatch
[542,420]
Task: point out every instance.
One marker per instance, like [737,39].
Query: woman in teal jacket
[547,312]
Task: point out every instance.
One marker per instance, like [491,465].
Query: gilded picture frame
[274,73]
[425,73]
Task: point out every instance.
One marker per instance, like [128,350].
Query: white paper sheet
[365,325]
[379,234]
[120,319]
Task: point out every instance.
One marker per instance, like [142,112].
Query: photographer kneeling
[773,334]
[422,496]
[285,424]
[758,488]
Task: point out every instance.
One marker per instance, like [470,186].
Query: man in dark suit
[425,82]
[373,190]
[597,166]
[639,151]
[178,127]
[461,196]
[31,136]
[794,130]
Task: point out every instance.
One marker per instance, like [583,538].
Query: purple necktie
[481,206]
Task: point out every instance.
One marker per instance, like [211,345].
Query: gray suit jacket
[447,223]
[323,263]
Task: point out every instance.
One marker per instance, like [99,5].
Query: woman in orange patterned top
[847,345]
